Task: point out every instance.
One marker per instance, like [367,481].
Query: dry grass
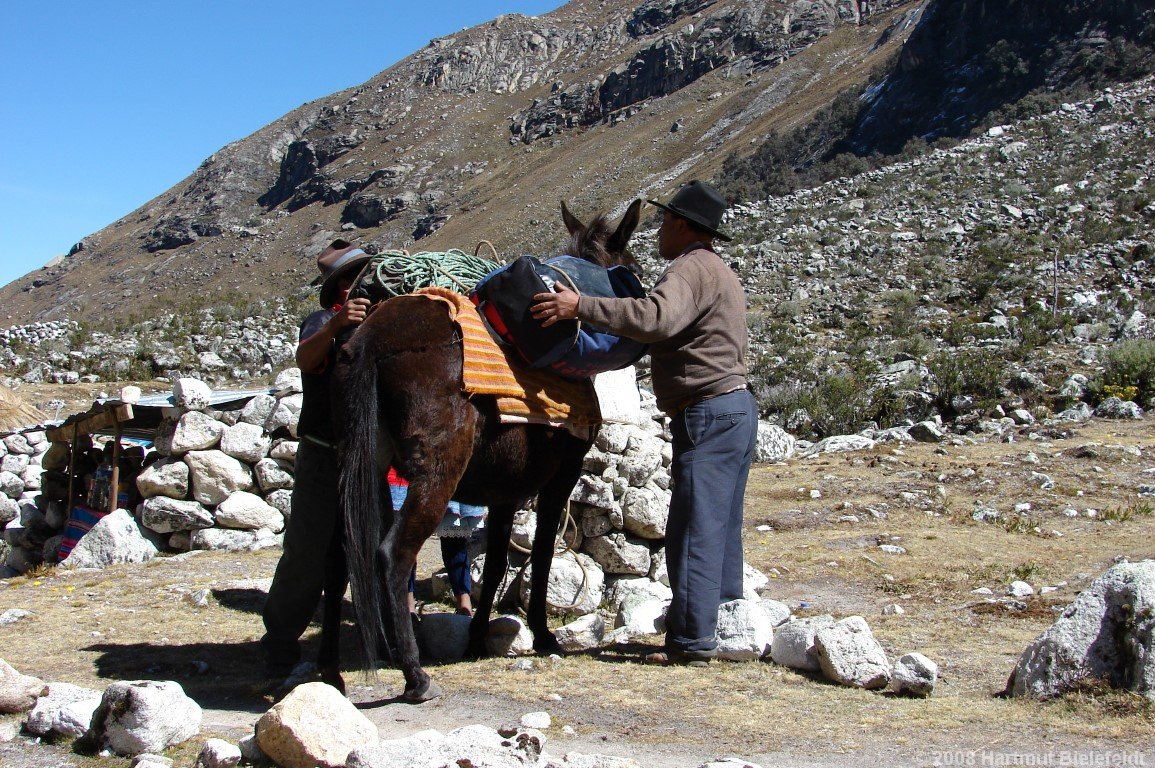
[132,622]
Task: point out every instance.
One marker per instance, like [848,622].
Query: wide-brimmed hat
[700,204]
[338,259]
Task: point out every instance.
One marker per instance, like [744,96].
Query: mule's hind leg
[423,509]
[498,527]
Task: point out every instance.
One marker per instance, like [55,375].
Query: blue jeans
[454,550]
[714,443]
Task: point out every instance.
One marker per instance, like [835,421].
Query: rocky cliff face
[474,137]
[965,59]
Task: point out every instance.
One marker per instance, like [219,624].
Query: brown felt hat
[700,204]
[341,257]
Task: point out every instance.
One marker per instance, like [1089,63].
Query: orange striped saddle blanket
[523,395]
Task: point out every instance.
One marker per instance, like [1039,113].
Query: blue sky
[103,106]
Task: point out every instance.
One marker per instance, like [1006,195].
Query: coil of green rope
[399,272]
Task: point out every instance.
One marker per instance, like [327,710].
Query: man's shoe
[683,658]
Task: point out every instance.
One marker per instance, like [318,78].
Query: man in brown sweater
[695,321]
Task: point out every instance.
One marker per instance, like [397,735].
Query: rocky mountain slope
[996,275]
[477,136]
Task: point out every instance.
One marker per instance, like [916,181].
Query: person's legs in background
[455,554]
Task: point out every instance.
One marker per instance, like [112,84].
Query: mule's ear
[572,225]
[621,237]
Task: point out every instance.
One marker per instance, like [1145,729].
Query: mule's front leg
[541,560]
[551,503]
[498,526]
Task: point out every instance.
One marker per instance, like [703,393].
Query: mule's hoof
[431,690]
[548,646]
[333,677]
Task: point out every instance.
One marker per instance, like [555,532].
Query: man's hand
[312,353]
[353,312]
[552,307]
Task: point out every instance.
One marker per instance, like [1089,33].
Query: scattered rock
[314,726]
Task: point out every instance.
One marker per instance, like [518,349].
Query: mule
[398,400]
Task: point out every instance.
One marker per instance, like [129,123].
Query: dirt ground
[813,525]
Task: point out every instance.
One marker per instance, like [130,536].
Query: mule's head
[600,241]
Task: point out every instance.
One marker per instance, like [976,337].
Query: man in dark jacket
[314,543]
[695,322]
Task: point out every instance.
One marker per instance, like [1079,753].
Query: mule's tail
[361,480]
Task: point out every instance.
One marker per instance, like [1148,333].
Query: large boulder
[472,745]
[509,636]
[1108,633]
[165,515]
[618,553]
[191,394]
[644,511]
[272,475]
[167,477]
[144,716]
[116,538]
[195,431]
[247,442]
[18,693]
[582,634]
[774,443]
[914,675]
[65,710]
[247,511]
[793,643]
[849,654]
[576,585]
[745,631]
[314,726]
[640,614]
[216,475]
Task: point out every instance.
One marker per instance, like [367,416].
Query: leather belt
[319,441]
[695,400]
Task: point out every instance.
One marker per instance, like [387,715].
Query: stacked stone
[223,481]
[617,518]
[225,478]
[22,520]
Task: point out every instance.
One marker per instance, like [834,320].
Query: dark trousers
[313,544]
[714,443]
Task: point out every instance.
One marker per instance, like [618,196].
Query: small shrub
[1128,513]
[1128,365]
[1021,524]
[1026,571]
[978,374]
[838,404]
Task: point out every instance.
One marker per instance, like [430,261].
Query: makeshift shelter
[99,484]
[15,414]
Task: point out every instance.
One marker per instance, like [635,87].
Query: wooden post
[114,489]
[71,471]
